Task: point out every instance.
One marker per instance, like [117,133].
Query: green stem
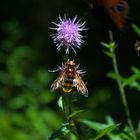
[121,88]
[67,108]
[66,99]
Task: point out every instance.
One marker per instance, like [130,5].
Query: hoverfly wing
[58,82]
[80,85]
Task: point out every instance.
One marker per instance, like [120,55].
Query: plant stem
[66,99]
[67,108]
[121,88]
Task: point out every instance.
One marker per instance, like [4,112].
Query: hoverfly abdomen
[67,87]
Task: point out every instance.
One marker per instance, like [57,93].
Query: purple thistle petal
[68,34]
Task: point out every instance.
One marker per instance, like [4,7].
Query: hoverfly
[69,79]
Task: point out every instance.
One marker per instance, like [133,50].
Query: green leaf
[135,70]
[105,45]
[94,125]
[111,45]
[135,85]
[110,54]
[131,81]
[110,120]
[72,137]
[127,133]
[104,132]
[62,131]
[136,29]
[115,76]
[102,129]
[75,113]
[60,103]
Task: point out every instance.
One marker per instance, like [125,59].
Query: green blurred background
[28,111]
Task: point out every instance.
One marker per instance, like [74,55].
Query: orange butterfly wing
[117,10]
[117,15]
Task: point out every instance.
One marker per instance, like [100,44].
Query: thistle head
[68,34]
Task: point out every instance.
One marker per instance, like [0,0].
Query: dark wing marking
[58,82]
[118,13]
[80,85]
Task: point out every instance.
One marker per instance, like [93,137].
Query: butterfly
[113,13]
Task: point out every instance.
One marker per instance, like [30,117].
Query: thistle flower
[68,34]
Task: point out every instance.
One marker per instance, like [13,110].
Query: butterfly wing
[80,85]
[118,11]
[113,13]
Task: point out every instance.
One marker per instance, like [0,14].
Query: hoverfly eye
[119,7]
